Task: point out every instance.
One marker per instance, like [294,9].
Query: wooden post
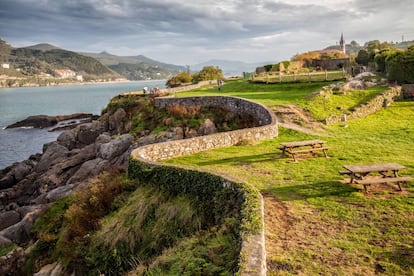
[309,77]
[326,75]
[294,76]
[280,78]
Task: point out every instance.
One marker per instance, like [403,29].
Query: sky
[186,32]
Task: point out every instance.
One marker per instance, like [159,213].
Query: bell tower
[342,43]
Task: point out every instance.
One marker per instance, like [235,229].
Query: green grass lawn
[314,223]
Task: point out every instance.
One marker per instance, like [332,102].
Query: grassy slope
[314,223]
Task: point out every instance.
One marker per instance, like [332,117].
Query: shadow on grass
[245,159]
[403,256]
[312,190]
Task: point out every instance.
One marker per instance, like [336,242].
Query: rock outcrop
[27,188]
[44,121]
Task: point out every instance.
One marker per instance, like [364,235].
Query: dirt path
[294,117]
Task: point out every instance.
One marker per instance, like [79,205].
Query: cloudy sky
[188,32]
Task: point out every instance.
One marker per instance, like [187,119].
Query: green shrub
[401,66]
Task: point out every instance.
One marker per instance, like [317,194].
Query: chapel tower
[342,43]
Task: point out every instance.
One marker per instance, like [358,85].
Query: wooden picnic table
[388,172]
[306,146]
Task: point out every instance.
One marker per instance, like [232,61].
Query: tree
[179,79]
[362,57]
[400,66]
[208,73]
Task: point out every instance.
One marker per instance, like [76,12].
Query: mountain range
[46,58]
[130,67]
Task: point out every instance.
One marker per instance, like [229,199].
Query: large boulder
[21,232]
[17,172]
[87,133]
[59,173]
[353,85]
[116,121]
[89,169]
[53,153]
[67,139]
[207,127]
[9,218]
[115,147]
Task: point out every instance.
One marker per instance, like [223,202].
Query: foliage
[140,71]
[64,230]
[268,67]
[371,49]
[306,58]
[208,73]
[400,65]
[149,222]
[47,61]
[217,195]
[212,252]
[362,57]
[180,79]
[6,249]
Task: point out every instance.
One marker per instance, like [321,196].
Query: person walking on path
[219,84]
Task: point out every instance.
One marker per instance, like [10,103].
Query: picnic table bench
[307,146]
[388,173]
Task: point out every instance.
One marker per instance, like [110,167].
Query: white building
[5,66]
[65,73]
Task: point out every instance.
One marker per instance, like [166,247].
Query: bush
[400,66]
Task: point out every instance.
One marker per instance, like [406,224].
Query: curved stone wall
[253,252]
[267,130]
[374,105]
[234,104]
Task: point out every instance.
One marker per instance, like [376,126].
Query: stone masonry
[253,249]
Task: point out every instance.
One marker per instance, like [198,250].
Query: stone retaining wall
[253,253]
[372,106]
[267,130]
[234,104]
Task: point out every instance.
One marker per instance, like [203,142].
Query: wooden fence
[275,77]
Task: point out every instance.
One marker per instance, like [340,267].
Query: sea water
[17,104]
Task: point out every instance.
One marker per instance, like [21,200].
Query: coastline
[74,83]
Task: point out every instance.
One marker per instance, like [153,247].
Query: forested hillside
[137,67]
[44,59]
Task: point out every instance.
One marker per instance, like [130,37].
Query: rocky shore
[27,188]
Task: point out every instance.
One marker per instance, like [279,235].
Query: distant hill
[43,47]
[137,67]
[229,68]
[43,59]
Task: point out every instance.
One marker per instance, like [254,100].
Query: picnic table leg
[399,186]
[326,154]
[294,157]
